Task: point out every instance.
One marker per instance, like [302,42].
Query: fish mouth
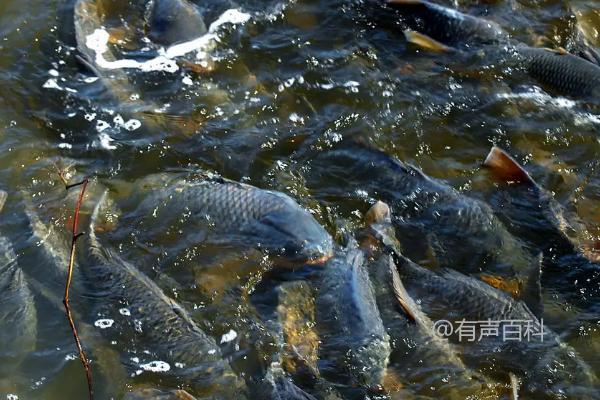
[320,260]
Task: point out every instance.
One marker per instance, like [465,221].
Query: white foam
[125,312]
[102,125]
[229,336]
[294,117]
[132,125]
[105,141]
[52,84]
[156,366]
[541,98]
[104,323]
[98,42]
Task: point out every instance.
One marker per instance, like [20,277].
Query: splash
[165,61]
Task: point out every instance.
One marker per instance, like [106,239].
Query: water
[292,80]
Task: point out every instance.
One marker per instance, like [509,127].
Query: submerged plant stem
[75,236]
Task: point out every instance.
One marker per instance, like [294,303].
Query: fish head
[292,235]
[368,364]
[379,226]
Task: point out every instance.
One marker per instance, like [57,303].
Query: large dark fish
[549,368]
[354,345]
[435,27]
[534,215]
[174,21]
[18,316]
[447,25]
[429,363]
[219,211]
[429,216]
[561,71]
[162,324]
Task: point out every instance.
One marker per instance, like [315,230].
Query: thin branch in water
[75,236]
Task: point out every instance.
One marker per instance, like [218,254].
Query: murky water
[295,78]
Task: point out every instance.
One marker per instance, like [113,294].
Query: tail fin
[3,196]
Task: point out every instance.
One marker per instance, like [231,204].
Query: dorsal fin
[505,167]
[532,287]
[3,196]
[425,42]
[404,299]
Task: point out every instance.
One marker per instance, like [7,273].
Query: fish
[433,221]
[18,315]
[218,211]
[277,385]
[447,25]
[561,71]
[353,338]
[156,394]
[581,36]
[162,324]
[430,364]
[287,308]
[548,367]
[174,21]
[441,29]
[283,327]
[534,215]
[88,19]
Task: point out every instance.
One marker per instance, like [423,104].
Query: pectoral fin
[505,167]
[425,42]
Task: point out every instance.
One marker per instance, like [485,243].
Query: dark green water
[294,79]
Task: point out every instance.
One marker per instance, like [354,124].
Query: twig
[75,236]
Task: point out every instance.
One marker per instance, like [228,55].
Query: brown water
[294,79]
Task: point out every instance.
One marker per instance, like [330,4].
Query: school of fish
[355,309]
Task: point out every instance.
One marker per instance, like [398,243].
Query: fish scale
[219,211]
[352,332]
[430,215]
[564,72]
[549,367]
[18,317]
[164,326]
